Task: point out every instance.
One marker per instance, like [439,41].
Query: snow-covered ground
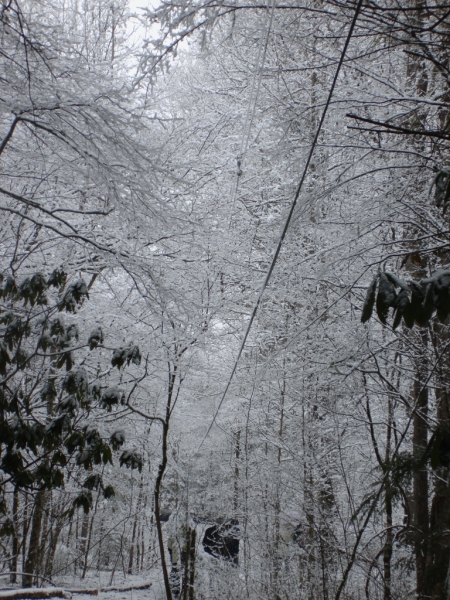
[99,580]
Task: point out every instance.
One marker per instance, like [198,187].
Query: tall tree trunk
[35,539]
[142,553]
[46,529]
[138,550]
[53,542]
[161,471]
[308,482]
[387,550]
[15,540]
[50,557]
[186,564]
[77,529]
[25,530]
[100,544]
[132,544]
[387,553]
[141,565]
[438,558]
[89,539]
[420,479]
[189,568]
[134,539]
[237,454]
[84,539]
[159,479]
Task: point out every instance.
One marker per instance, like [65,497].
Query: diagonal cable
[289,217]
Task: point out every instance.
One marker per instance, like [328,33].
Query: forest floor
[98,580]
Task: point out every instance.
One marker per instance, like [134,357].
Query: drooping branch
[389,128]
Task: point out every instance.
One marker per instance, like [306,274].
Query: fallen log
[54,592]
[95,591]
[142,586]
[34,593]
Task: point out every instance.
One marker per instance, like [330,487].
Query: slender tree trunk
[133,541]
[83,545]
[77,531]
[50,559]
[161,471]
[172,396]
[69,537]
[54,538]
[89,538]
[141,568]
[46,530]
[142,553]
[25,530]
[15,540]
[192,565]
[309,561]
[159,479]
[35,538]
[237,454]
[387,553]
[189,569]
[134,538]
[438,558]
[138,550]
[100,544]
[186,564]
[420,479]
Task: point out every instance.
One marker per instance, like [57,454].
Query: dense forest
[225,298]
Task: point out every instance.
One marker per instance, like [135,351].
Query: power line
[289,217]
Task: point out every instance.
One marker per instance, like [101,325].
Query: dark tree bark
[387,553]
[25,528]
[438,558]
[84,540]
[15,539]
[189,568]
[32,560]
[161,471]
[420,479]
